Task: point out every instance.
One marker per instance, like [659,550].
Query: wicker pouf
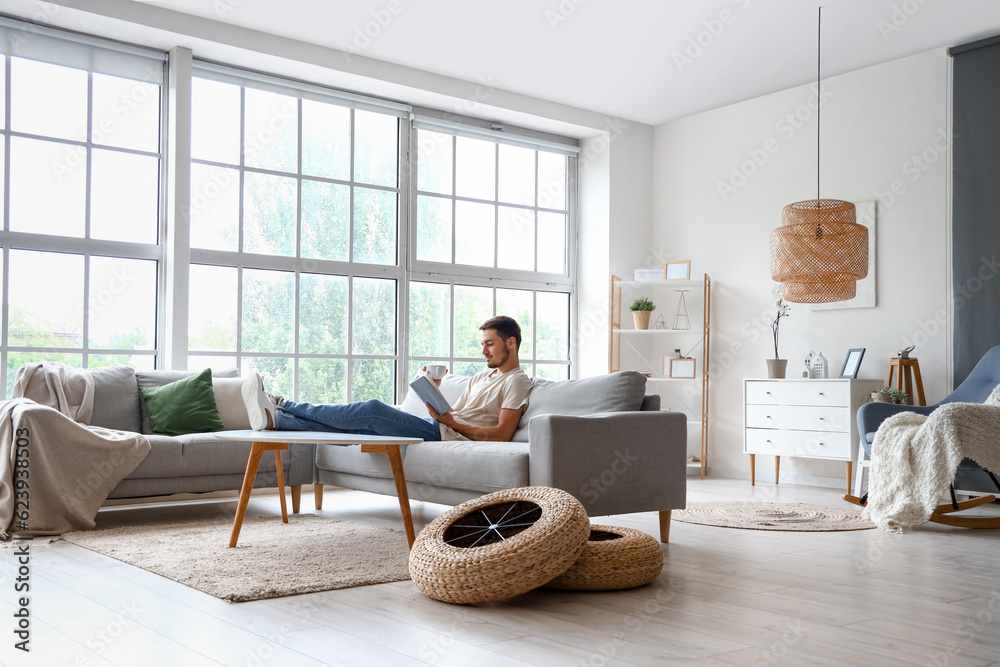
[499,545]
[614,558]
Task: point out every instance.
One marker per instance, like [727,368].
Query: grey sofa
[196,462]
[601,439]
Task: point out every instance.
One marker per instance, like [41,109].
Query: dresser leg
[777,467]
[752,476]
[850,469]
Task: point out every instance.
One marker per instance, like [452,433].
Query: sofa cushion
[116,399]
[159,378]
[198,454]
[617,392]
[184,406]
[229,400]
[469,465]
[452,387]
[350,459]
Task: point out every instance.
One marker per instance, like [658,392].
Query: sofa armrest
[614,463]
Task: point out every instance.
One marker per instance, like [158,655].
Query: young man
[488,409]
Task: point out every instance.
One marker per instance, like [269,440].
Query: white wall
[616,226]
[884,127]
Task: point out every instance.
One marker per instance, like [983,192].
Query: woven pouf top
[499,545]
[772,516]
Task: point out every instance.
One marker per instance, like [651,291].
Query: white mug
[437,372]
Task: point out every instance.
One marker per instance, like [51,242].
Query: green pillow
[185,406]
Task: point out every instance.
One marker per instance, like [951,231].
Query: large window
[82,210]
[294,225]
[490,237]
[325,241]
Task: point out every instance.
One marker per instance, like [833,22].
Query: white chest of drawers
[806,418]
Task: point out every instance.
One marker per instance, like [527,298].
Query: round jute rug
[772,516]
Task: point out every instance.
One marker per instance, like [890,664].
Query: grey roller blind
[976,202]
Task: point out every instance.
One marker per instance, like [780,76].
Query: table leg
[777,466]
[396,462]
[753,481]
[256,451]
[920,385]
[281,485]
[850,469]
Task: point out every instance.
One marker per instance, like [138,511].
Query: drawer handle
[768,417]
[822,394]
[767,441]
[821,419]
[768,393]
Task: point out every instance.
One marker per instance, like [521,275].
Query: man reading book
[489,409]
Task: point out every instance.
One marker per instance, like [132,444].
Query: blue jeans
[366,417]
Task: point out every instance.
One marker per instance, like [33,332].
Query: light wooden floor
[733,597]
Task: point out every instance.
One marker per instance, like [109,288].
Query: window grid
[298,265]
[84,246]
[241,260]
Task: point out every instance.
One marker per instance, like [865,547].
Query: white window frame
[94,55]
[296,265]
[476,276]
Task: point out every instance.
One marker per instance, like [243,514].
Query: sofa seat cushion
[617,392]
[350,459]
[196,454]
[482,467]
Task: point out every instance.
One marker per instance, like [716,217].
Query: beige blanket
[55,473]
[915,457]
[69,390]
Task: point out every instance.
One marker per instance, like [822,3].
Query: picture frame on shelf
[852,362]
[677,270]
[683,368]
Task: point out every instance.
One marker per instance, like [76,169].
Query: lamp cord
[819,94]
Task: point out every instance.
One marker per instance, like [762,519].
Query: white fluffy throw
[915,457]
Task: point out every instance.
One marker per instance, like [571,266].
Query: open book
[430,393]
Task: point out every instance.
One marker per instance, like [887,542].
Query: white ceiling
[624,58]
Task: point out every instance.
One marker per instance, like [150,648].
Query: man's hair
[505,327]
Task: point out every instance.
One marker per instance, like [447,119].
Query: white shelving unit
[688,340]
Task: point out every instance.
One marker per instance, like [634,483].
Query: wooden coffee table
[277,441]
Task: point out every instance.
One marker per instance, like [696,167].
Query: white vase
[776,368]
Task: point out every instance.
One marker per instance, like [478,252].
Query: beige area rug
[772,516]
[272,559]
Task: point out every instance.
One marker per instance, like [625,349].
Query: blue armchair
[976,388]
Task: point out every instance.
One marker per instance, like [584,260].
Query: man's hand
[445,419]
[437,382]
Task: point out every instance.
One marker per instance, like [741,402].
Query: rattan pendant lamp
[819,252]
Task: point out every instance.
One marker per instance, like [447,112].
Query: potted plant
[776,367]
[890,395]
[641,310]
[882,395]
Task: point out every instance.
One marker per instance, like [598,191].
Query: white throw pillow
[452,387]
[229,400]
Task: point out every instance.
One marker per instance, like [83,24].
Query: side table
[277,441]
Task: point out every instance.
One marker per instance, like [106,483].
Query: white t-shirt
[487,393]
